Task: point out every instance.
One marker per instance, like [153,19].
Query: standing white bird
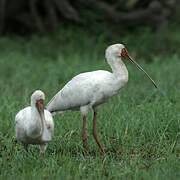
[33,124]
[91,89]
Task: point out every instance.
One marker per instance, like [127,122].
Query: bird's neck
[119,69]
[36,124]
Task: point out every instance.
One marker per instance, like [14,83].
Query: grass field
[139,128]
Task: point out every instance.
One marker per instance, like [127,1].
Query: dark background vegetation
[110,21]
[23,17]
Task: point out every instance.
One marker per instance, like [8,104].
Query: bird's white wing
[22,115]
[21,122]
[77,92]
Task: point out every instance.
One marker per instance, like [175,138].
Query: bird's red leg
[95,132]
[84,135]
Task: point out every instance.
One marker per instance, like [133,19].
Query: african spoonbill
[33,124]
[91,89]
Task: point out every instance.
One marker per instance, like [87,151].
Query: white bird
[91,89]
[33,124]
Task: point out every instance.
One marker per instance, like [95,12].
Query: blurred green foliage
[26,17]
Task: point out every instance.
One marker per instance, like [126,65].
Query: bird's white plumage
[24,125]
[92,88]
[28,123]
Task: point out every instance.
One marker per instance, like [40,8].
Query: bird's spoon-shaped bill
[125,54]
[45,135]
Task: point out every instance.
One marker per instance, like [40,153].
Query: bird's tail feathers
[57,112]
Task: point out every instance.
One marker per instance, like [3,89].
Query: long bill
[126,55]
[45,135]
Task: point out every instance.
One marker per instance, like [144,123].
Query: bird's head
[116,51]
[38,99]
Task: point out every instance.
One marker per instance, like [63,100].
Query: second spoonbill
[33,124]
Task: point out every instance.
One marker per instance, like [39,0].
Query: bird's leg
[95,132]
[84,135]
[25,146]
[43,149]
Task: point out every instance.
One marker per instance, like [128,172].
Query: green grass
[139,128]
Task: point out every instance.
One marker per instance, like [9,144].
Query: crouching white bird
[91,89]
[33,124]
